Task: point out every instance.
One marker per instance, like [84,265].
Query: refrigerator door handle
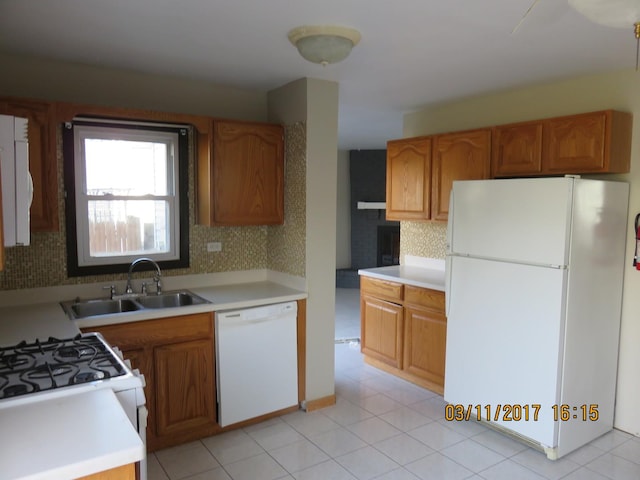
[447,284]
[450,224]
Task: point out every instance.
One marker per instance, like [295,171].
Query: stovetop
[55,363]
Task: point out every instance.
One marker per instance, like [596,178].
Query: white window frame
[86,128]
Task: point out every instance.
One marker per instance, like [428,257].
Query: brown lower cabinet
[125,472]
[176,357]
[404,331]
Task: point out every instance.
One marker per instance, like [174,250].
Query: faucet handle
[112,290]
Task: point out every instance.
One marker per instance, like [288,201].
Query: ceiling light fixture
[612,13]
[324,44]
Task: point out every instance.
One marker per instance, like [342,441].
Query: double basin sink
[105,306]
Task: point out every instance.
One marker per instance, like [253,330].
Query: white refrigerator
[534,273]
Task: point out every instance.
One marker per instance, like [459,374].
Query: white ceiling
[413,52]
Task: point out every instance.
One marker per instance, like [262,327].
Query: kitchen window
[126,194]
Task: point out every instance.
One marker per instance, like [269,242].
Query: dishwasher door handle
[236,320]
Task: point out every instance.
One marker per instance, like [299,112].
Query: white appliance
[17,187]
[534,276]
[32,372]
[256,361]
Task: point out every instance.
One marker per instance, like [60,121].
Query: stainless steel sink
[170,299]
[92,308]
[103,307]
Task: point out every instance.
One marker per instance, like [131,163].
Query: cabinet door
[457,156]
[381,330]
[408,177]
[248,174]
[588,143]
[42,159]
[185,393]
[173,354]
[575,144]
[517,150]
[424,343]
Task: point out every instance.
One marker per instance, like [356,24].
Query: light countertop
[425,273]
[43,449]
[74,436]
[40,321]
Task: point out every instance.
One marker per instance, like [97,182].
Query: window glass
[128,194]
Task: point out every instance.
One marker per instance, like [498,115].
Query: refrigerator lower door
[504,344]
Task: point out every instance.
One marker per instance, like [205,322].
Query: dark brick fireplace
[375,242]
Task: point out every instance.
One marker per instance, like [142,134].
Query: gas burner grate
[31,367]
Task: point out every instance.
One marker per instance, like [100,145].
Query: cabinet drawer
[158,331]
[424,297]
[381,288]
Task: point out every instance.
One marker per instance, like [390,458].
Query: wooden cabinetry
[42,159]
[404,330]
[408,179]
[457,156]
[184,387]
[421,171]
[243,181]
[382,321]
[176,357]
[425,334]
[517,149]
[596,142]
[124,472]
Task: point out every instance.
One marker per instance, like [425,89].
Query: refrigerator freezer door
[504,331]
[521,220]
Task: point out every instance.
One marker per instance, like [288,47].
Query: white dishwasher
[256,361]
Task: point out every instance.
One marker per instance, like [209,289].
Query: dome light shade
[611,13]
[324,44]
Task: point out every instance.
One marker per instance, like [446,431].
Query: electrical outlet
[214,247]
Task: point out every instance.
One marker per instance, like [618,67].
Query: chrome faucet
[156,277]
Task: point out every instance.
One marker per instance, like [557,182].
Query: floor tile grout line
[357,375]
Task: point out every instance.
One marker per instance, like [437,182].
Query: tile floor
[384,428]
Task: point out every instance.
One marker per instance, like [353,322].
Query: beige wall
[69,82]
[616,90]
[316,103]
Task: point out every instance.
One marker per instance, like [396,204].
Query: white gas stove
[31,372]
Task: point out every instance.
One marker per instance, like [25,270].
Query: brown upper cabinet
[457,156]
[42,158]
[598,142]
[517,149]
[408,179]
[421,171]
[595,142]
[242,182]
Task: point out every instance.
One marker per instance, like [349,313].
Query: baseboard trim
[320,403]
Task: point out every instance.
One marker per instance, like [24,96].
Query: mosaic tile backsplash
[423,239]
[286,243]
[280,248]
